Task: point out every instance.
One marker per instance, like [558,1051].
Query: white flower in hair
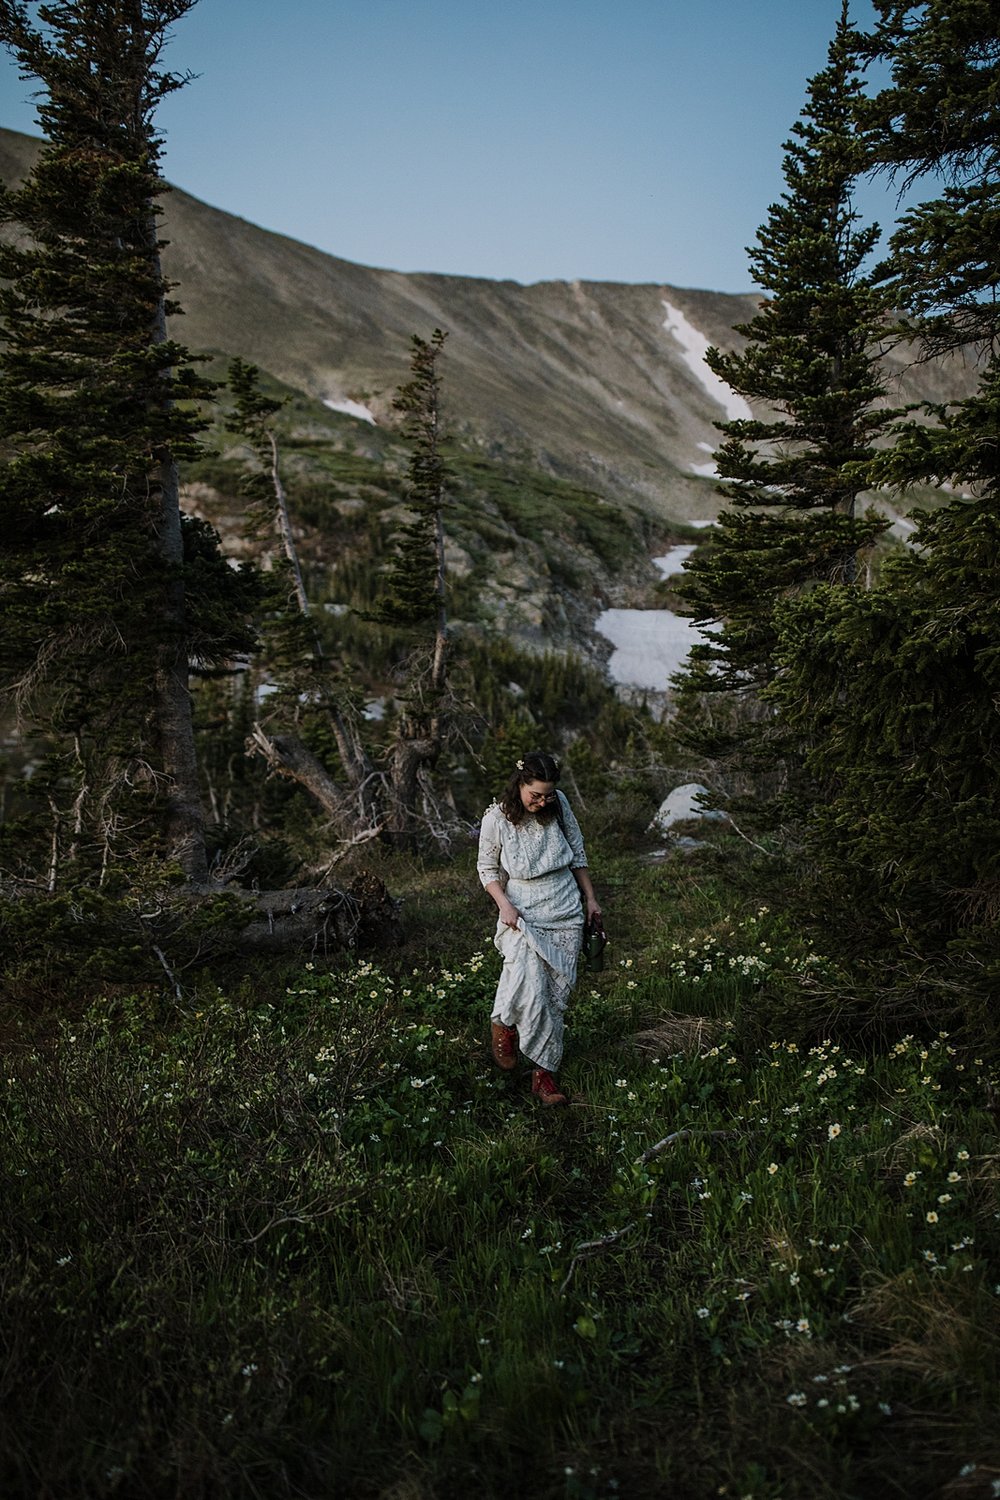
[520,765]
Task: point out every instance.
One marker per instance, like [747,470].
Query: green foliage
[415,586]
[332,1239]
[940,105]
[103,600]
[547,511]
[812,355]
[892,694]
[79,939]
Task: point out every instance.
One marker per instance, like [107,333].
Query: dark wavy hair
[535,766]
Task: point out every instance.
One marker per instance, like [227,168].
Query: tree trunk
[440,663]
[185,817]
[324,921]
[353,757]
[406,759]
[284,525]
[289,757]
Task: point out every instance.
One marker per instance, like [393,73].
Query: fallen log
[88,938]
[319,920]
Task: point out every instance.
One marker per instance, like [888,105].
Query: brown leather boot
[545,1089]
[504,1046]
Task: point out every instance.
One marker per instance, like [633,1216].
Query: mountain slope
[583,379]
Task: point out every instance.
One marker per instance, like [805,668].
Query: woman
[532,862]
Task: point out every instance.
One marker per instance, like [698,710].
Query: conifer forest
[273,1226]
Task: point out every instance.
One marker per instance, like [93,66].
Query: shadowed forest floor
[295,1237]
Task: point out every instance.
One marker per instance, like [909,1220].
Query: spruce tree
[106,594]
[415,589]
[414,595]
[895,694]
[812,356]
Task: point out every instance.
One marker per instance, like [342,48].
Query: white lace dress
[535,861]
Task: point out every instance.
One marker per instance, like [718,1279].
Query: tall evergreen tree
[415,589]
[414,595]
[812,355]
[105,593]
[895,694]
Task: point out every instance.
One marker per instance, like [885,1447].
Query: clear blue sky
[639,140]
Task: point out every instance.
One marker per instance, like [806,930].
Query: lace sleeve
[488,863]
[574,837]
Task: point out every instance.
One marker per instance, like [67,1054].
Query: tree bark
[184,816]
[407,758]
[284,525]
[289,757]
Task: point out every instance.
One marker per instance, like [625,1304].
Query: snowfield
[351,409]
[695,346]
[673,561]
[651,645]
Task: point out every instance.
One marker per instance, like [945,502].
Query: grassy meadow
[295,1236]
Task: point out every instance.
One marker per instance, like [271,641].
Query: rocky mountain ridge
[599,383]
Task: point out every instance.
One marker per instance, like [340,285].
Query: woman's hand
[509,914]
[591,905]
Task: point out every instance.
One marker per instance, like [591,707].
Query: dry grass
[926,1330]
[676,1032]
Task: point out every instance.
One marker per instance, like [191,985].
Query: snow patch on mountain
[351,409]
[651,645]
[672,562]
[695,346]
[709,470]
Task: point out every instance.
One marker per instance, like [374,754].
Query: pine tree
[940,116]
[895,693]
[812,355]
[414,594]
[106,593]
[415,589]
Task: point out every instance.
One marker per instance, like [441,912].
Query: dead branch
[178,992]
[344,847]
[53,875]
[284,528]
[683,1135]
[759,847]
[593,1247]
[288,757]
[312,1215]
